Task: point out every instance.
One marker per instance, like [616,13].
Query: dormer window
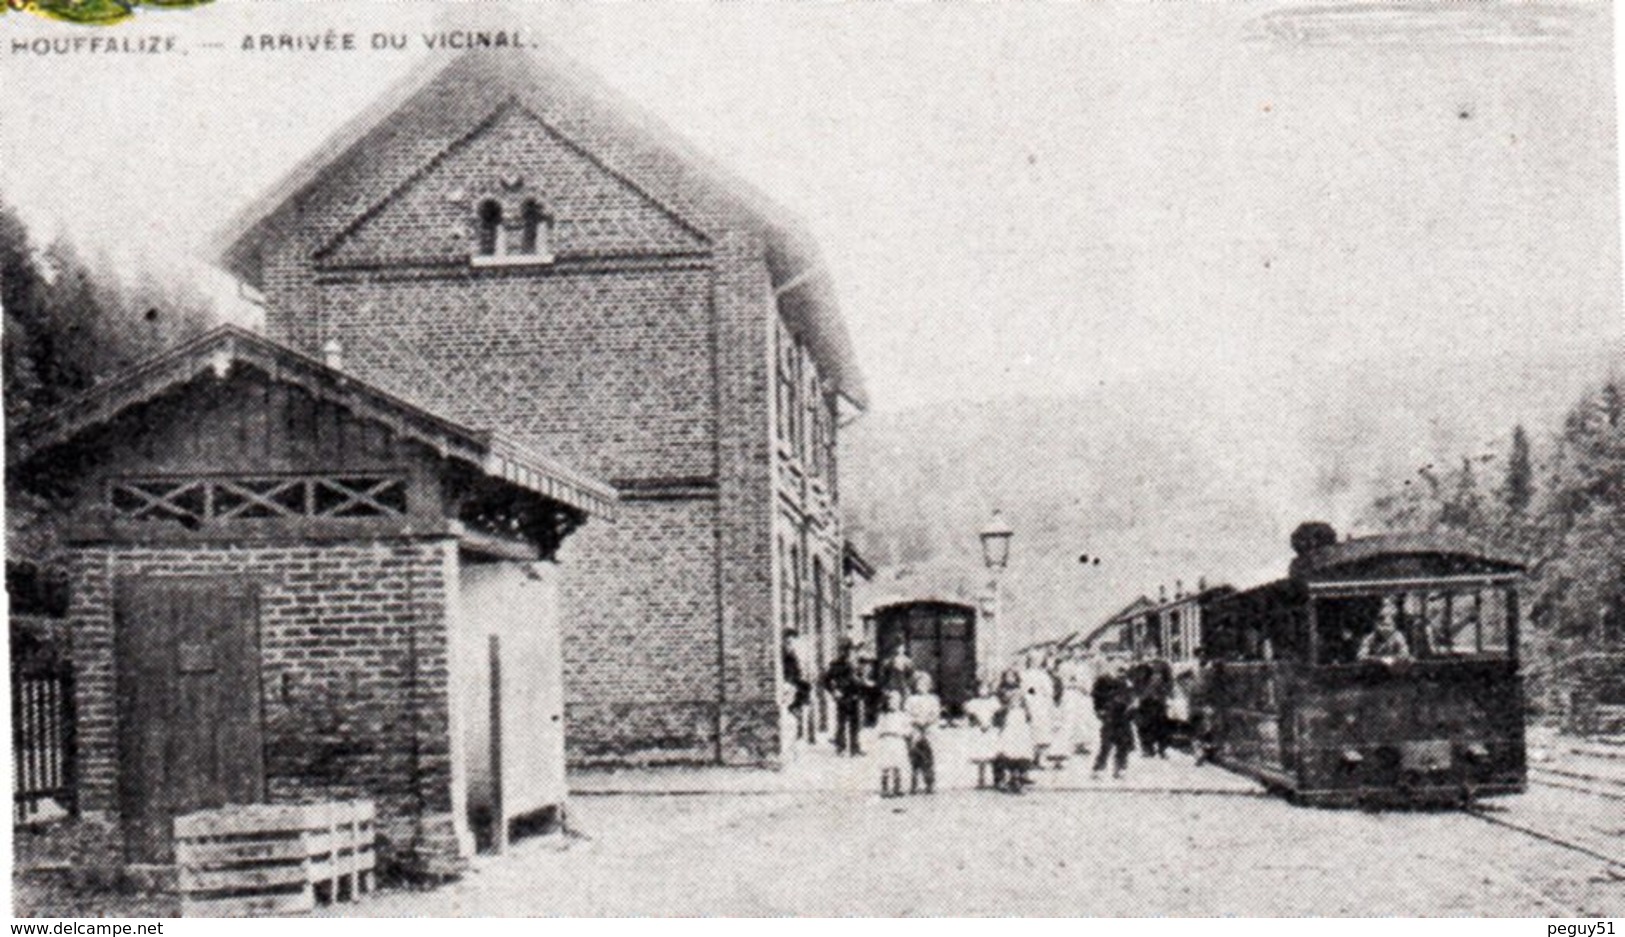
[513,234]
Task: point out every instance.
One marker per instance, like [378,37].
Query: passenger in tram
[1385,642]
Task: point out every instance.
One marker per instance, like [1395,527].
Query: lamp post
[995,536]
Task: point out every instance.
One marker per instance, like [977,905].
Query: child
[892,748]
[982,713]
[924,712]
[1015,736]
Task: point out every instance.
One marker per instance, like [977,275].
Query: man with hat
[846,681]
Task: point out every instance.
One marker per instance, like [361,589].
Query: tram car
[1381,671]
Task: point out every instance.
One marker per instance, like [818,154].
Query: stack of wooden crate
[262,859]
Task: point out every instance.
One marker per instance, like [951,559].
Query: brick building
[506,241]
[285,585]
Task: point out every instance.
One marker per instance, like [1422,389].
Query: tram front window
[1461,623]
[1433,624]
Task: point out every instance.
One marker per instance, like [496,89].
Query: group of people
[1029,714]
[1134,703]
[898,701]
[1049,709]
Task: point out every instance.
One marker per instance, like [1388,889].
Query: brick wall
[641,642]
[608,371]
[643,356]
[353,647]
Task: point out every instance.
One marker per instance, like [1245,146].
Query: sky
[1014,199]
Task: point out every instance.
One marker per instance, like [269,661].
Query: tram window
[1492,634]
[1438,615]
[1451,624]
[1343,624]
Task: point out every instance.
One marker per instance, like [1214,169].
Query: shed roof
[220,350]
[416,121]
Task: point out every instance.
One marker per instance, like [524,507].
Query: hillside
[1170,479]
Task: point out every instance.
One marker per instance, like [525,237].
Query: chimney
[1201,583]
[333,354]
[1179,588]
[1162,593]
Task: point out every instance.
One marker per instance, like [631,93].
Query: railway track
[1615,862]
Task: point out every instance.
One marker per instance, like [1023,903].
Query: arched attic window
[490,219]
[534,232]
[511,234]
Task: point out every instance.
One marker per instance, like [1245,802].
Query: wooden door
[189,704]
[957,680]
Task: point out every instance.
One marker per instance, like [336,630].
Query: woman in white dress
[1038,690]
[982,730]
[1068,714]
[891,748]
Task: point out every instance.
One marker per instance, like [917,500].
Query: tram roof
[1365,551]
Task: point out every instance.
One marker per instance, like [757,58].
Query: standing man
[1155,679]
[848,684]
[1114,700]
[800,689]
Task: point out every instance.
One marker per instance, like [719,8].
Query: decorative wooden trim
[196,500]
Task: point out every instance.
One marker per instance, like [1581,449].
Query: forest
[69,320]
[1558,502]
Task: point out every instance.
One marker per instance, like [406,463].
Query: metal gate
[41,724]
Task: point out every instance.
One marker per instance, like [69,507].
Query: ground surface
[1171,839]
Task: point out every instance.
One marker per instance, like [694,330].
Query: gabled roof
[947,583]
[1140,604]
[425,114]
[222,349]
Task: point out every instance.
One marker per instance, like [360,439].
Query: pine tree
[1463,510]
[1519,490]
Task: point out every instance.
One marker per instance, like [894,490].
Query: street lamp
[995,536]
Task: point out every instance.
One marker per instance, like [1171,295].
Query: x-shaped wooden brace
[356,496]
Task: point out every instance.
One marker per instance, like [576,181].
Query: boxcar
[940,638]
[1302,693]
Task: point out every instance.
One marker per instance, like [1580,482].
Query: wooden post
[499,820]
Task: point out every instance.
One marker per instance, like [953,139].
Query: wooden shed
[287,585]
